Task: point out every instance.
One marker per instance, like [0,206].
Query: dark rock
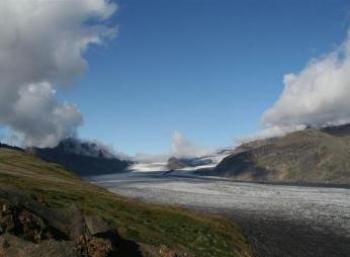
[13,246]
[30,229]
[96,225]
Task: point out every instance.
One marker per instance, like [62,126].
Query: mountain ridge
[83,158]
[313,155]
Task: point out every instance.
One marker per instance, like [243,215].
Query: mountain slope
[83,158]
[309,156]
[46,211]
[198,163]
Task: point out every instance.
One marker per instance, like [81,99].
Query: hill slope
[83,158]
[46,211]
[309,156]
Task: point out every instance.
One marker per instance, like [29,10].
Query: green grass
[198,235]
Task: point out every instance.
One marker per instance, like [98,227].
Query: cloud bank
[317,96]
[42,43]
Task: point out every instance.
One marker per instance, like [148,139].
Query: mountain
[175,163]
[309,156]
[181,163]
[6,146]
[83,158]
[197,163]
[47,211]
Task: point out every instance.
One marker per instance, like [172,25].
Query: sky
[208,69]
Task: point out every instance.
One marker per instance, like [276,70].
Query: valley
[279,220]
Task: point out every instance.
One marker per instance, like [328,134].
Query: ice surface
[327,207]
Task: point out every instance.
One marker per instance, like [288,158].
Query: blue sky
[205,68]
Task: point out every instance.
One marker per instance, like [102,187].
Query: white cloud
[40,118]
[42,43]
[269,132]
[180,148]
[183,148]
[317,96]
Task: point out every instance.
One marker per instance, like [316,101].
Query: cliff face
[310,156]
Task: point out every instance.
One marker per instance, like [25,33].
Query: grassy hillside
[51,196]
[312,155]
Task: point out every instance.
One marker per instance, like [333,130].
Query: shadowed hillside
[46,211]
[83,158]
[309,156]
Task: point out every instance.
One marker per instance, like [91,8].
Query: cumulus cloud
[42,43]
[183,148]
[317,96]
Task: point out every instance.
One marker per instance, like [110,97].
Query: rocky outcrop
[31,229]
